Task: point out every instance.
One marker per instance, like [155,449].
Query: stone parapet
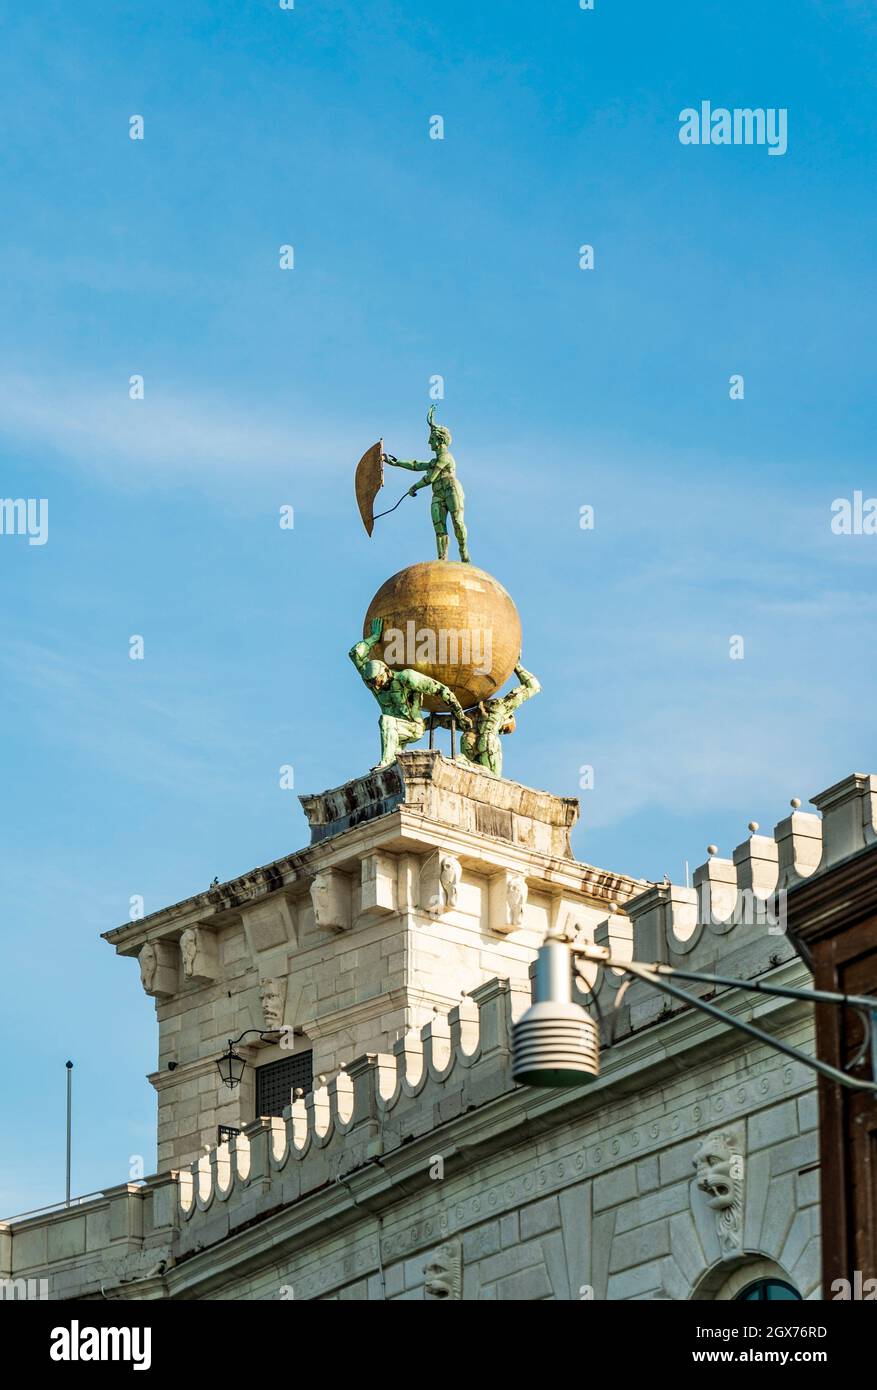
[733,919]
[451,793]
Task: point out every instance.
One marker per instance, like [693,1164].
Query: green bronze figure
[447,494]
[481,743]
[400,696]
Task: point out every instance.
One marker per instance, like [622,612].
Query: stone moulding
[428,786]
[429,795]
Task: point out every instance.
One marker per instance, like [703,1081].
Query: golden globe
[452,622]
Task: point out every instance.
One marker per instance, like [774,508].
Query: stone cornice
[200,1066]
[401,824]
[545,870]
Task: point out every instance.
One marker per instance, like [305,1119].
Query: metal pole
[69,1123]
[643,972]
[811,996]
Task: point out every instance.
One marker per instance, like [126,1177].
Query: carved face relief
[718,1162]
[450,874]
[443,1272]
[188,950]
[272,994]
[712,1161]
[148,965]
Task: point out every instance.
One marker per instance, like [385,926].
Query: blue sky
[563,388]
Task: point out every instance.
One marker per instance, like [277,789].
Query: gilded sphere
[452,622]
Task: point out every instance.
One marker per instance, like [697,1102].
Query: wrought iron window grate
[276,1081]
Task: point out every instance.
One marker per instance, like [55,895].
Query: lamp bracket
[659,976]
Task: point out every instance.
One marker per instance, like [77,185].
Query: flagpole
[69,1123]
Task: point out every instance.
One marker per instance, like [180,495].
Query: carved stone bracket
[378,884]
[159,973]
[440,877]
[330,895]
[199,955]
[507,899]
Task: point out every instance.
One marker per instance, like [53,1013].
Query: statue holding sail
[440,473]
[441,637]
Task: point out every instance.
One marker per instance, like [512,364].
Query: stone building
[377,1146]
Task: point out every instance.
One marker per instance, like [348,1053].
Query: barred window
[276,1081]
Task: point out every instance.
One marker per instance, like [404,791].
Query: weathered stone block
[527,1286]
[270,923]
[611,1189]
[773,1126]
[379,873]
[539,1218]
[636,1247]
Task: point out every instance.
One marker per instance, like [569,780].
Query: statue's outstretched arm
[415,467]
[529,686]
[411,464]
[360,651]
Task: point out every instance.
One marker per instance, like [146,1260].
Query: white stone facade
[391,918]
[419,1170]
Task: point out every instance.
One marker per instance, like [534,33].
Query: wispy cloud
[168,733]
[165,438]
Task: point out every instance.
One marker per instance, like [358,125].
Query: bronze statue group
[400,693]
